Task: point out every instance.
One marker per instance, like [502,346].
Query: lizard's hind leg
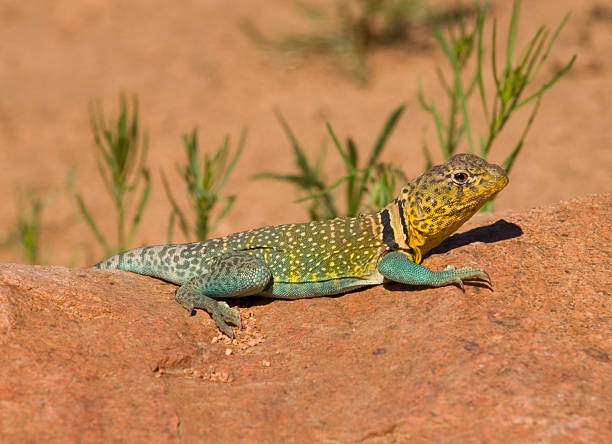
[229,275]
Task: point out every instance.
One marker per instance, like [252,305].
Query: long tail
[150,261]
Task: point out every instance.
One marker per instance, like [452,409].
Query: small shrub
[121,152]
[205,181]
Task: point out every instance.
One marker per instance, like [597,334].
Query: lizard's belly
[300,290]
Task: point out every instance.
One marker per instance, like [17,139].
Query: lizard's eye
[460,178]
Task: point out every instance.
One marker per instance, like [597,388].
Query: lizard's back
[306,252]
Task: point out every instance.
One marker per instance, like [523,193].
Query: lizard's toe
[476,274]
[485,277]
[233,317]
[459,282]
[223,326]
[223,315]
[459,276]
[479,274]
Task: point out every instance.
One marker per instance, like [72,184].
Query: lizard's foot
[452,275]
[220,311]
[223,315]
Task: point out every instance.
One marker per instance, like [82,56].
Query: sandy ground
[191,65]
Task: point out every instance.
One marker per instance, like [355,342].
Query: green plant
[204,184]
[366,188]
[310,177]
[347,30]
[121,151]
[25,236]
[510,84]
[384,181]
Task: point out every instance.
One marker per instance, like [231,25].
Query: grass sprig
[204,181]
[26,233]
[121,151]
[366,187]
[346,30]
[310,178]
[511,83]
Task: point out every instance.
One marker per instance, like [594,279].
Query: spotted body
[327,257]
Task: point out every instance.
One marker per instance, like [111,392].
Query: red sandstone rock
[97,355]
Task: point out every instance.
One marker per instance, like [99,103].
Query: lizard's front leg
[397,267]
[229,275]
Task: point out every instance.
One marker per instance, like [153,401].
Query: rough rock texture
[97,355]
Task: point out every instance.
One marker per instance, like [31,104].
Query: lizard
[327,257]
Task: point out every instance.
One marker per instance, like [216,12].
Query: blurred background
[227,66]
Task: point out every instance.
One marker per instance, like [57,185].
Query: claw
[487,278]
[231,315]
[222,326]
[224,314]
[459,282]
[467,274]
[483,276]
[234,318]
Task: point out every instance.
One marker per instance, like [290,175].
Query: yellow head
[442,199]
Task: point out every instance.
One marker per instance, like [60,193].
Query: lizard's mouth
[500,177]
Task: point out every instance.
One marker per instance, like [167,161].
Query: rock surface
[107,355]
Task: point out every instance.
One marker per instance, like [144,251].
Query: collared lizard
[328,257]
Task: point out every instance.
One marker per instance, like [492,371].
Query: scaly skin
[327,257]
